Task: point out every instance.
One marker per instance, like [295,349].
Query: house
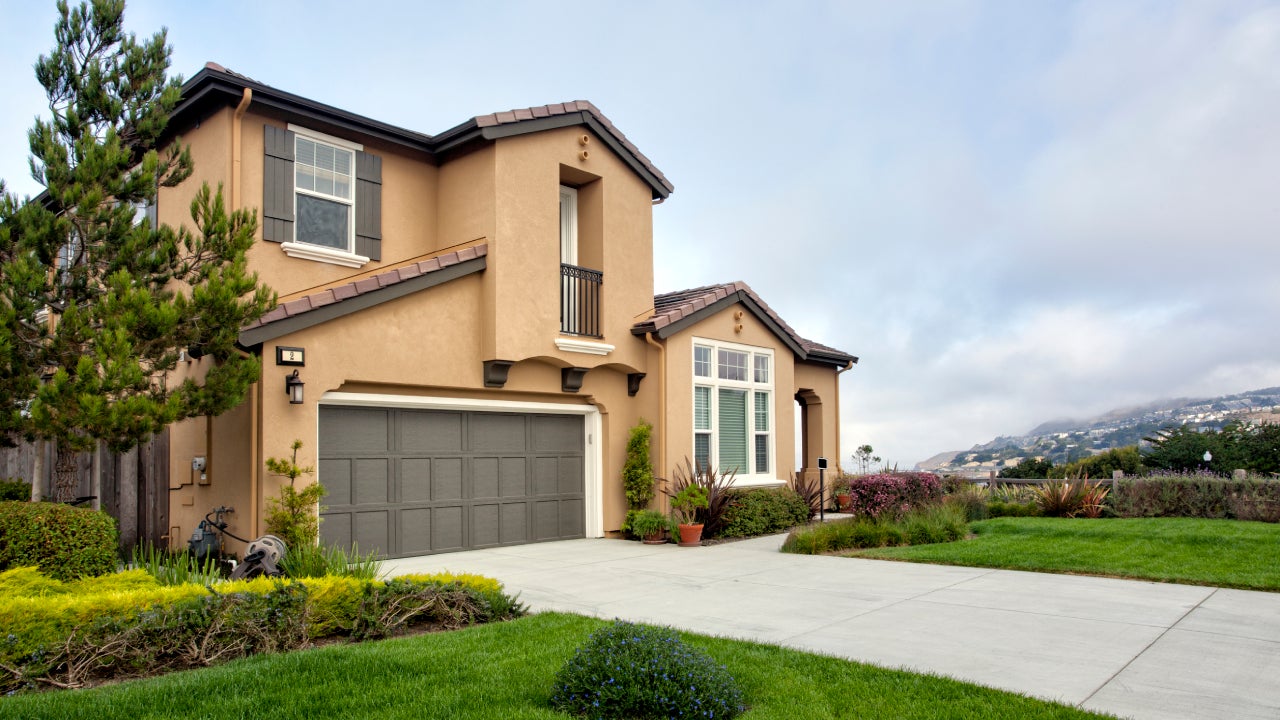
[468,329]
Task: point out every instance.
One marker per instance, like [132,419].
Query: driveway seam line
[1144,650]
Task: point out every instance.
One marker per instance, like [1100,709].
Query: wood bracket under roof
[571,378]
[633,383]
[495,372]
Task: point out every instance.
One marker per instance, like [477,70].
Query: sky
[1011,212]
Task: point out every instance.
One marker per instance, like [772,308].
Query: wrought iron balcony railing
[580,300]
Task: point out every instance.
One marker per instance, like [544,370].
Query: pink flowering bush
[892,494]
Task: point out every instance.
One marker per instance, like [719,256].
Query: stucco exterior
[462,307]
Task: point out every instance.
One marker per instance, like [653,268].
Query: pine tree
[95,304]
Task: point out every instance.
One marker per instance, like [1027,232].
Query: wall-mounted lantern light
[293,388]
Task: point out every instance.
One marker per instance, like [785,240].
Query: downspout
[662,402]
[245,99]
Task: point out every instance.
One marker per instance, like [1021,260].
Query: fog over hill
[1065,440]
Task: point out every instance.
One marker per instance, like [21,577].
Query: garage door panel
[557,433]
[335,529]
[515,523]
[546,519]
[356,430]
[485,525]
[569,473]
[431,432]
[415,530]
[545,480]
[513,478]
[448,529]
[484,477]
[415,480]
[372,481]
[572,519]
[373,531]
[336,476]
[446,479]
[497,433]
[409,482]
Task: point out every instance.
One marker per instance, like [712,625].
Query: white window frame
[345,257]
[751,476]
[568,225]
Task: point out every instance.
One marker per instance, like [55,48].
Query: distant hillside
[1065,440]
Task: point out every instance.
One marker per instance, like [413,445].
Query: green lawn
[505,670]
[1224,553]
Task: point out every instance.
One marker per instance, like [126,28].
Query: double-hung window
[733,409]
[324,184]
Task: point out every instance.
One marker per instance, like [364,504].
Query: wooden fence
[133,489]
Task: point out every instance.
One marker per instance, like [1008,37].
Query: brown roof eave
[212,86]
[698,316]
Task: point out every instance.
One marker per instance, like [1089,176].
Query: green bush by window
[65,542]
[761,511]
[640,671]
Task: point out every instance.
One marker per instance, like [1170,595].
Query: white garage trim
[593,473]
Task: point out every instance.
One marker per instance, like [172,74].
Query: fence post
[1239,474]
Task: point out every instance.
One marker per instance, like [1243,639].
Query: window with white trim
[733,409]
[324,183]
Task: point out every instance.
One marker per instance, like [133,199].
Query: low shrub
[932,524]
[892,494]
[640,671]
[645,524]
[971,500]
[67,634]
[761,511]
[15,489]
[1197,496]
[1001,508]
[63,541]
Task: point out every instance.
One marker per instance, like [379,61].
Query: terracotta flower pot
[844,501]
[690,535]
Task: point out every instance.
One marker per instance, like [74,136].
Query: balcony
[580,301]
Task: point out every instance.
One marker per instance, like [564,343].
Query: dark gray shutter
[369,205]
[277,184]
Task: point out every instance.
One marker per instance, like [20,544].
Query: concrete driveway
[1135,649]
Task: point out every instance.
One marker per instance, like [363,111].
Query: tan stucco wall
[820,381]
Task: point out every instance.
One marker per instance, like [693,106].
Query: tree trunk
[66,469]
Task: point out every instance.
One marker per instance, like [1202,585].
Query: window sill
[319,253]
[586,347]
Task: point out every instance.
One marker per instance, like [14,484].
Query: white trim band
[583,346]
[320,253]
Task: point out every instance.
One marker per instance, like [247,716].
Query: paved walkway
[1136,649]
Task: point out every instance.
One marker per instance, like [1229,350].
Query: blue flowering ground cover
[639,671]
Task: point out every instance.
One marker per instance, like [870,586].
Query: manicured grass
[505,670]
[1224,553]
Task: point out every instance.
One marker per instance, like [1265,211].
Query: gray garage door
[411,482]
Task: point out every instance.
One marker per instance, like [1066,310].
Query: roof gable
[216,85]
[677,311]
[335,302]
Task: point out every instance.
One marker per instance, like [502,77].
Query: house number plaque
[290,356]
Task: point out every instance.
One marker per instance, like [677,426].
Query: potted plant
[685,506]
[648,525]
[843,495]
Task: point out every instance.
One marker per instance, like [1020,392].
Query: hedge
[65,542]
[1197,496]
[761,511]
[69,634]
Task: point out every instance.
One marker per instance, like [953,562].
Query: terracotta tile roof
[670,308]
[566,108]
[356,288]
